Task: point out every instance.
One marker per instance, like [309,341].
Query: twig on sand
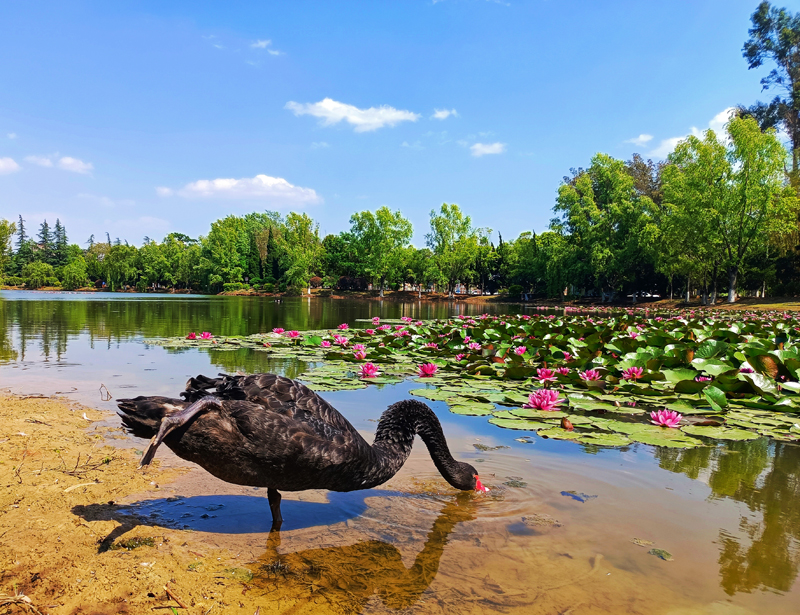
[174,597]
[19,599]
[105,395]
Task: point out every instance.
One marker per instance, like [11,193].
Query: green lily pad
[720,433]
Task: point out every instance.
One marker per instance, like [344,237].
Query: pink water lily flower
[634,335]
[398,327]
[545,375]
[360,355]
[589,374]
[745,370]
[278,330]
[406,318]
[702,379]
[666,418]
[368,370]
[467,338]
[543,399]
[343,327]
[567,357]
[474,346]
[369,331]
[357,347]
[418,323]
[325,344]
[206,335]
[520,350]
[432,345]
[562,370]
[384,327]
[401,333]
[340,339]
[426,370]
[192,336]
[632,373]
[460,356]
[376,319]
[293,334]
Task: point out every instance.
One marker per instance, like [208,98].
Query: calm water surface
[728,514]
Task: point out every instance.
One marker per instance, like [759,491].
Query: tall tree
[381,238]
[454,242]
[60,245]
[302,249]
[775,36]
[45,238]
[7,230]
[733,195]
[24,254]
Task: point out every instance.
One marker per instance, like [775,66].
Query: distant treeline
[717,215]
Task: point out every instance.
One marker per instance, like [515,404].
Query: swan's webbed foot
[173,421]
[274,498]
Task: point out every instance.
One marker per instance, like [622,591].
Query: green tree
[120,266]
[775,36]
[38,274]
[7,230]
[60,245]
[45,252]
[73,274]
[380,238]
[302,249]
[24,254]
[454,242]
[735,195]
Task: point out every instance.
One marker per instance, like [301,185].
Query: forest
[720,213]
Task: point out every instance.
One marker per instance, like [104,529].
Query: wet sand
[83,530]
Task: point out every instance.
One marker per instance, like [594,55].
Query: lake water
[555,535]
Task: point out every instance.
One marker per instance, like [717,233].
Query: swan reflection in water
[347,577]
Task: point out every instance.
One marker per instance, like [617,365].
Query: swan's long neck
[395,435]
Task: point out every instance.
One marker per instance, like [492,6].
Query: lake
[567,528]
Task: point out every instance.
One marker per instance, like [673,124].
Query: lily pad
[720,433]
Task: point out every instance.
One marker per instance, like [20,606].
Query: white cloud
[12,135]
[332,112]
[164,191]
[640,140]
[105,201]
[481,149]
[261,44]
[717,124]
[275,52]
[76,166]
[8,166]
[42,161]
[261,187]
[319,145]
[443,114]
[415,145]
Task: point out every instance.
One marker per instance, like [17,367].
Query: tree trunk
[732,274]
[688,289]
[382,280]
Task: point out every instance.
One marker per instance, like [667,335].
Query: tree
[7,230]
[775,36]
[60,245]
[454,242]
[302,249]
[24,254]
[380,238]
[73,274]
[733,196]
[38,274]
[45,237]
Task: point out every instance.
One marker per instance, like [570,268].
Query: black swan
[269,431]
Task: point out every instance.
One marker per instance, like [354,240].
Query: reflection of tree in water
[765,476]
[345,578]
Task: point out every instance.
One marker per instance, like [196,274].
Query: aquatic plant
[632,373]
[368,370]
[666,418]
[426,370]
[543,399]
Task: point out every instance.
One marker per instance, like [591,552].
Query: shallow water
[553,536]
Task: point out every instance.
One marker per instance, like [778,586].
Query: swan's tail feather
[142,416]
[200,386]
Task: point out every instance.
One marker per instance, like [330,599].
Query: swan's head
[468,479]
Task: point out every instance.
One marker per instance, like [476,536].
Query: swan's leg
[275,506]
[173,421]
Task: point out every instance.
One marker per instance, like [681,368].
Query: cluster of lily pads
[606,378]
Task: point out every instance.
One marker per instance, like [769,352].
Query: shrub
[315,282]
[14,280]
[515,289]
[282,287]
[37,274]
[232,286]
[268,287]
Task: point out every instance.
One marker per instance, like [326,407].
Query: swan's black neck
[395,435]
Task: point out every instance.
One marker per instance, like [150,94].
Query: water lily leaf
[760,383]
[711,348]
[432,394]
[654,435]
[519,424]
[604,439]
[530,413]
[689,386]
[677,375]
[472,409]
[720,433]
[716,398]
[714,367]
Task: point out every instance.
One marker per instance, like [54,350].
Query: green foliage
[73,274]
[7,230]
[454,242]
[38,274]
[380,238]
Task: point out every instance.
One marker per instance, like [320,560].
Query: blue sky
[149,117]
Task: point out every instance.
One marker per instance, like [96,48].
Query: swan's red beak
[479,486]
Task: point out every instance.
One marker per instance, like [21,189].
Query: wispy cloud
[443,114]
[640,140]
[415,145]
[106,201]
[12,135]
[42,161]
[331,112]
[482,149]
[717,124]
[274,190]
[8,166]
[275,52]
[76,166]
[320,145]
[261,44]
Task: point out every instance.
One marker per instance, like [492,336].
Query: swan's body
[269,431]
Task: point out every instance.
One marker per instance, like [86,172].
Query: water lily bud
[565,424]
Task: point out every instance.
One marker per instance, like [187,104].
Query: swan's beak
[479,486]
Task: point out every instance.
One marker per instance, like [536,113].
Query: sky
[144,118]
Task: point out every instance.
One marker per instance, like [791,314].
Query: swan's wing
[287,397]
